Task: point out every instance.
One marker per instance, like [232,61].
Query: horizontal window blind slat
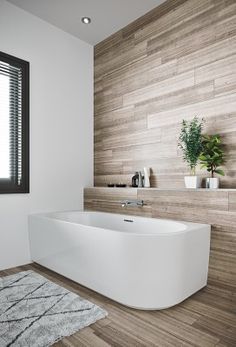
[10,68]
[11,75]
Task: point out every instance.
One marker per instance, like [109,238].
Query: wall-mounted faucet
[132,203]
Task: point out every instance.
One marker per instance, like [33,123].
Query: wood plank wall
[177,61]
[217,208]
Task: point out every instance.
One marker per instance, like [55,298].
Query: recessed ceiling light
[86,20]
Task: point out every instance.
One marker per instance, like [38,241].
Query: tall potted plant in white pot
[212,158]
[190,142]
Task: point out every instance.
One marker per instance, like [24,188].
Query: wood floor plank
[199,321]
[219,329]
[201,310]
[180,330]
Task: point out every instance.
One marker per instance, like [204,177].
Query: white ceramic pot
[193,182]
[212,183]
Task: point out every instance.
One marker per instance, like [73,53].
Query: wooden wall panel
[177,61]
[217,208]
[98,199]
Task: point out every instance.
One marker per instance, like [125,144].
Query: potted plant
[190,141]
[211,158]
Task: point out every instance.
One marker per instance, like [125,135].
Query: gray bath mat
[36,312]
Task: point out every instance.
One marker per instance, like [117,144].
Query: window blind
[13,124]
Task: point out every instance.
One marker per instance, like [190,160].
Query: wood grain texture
[206,319]
[104,199]
[177,61]
[217,208]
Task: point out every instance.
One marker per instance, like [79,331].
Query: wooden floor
[208,318]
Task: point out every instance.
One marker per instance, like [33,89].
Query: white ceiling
[108,16]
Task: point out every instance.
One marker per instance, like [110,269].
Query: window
[14,124]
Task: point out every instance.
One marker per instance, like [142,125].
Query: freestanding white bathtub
[140,262]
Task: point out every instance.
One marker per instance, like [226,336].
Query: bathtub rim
[189,226]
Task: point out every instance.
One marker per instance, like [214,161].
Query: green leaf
[220,172]
[190,141]
[212,155]
[203,166]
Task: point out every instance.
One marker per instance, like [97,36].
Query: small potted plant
[190,141]
[211,158]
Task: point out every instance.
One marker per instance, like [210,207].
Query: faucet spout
[133,203]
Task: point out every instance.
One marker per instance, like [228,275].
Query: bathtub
[140,262]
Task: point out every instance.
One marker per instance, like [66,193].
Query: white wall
[61,125]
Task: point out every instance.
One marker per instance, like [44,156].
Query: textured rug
[36,312]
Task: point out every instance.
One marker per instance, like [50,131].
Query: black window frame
[10,186]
